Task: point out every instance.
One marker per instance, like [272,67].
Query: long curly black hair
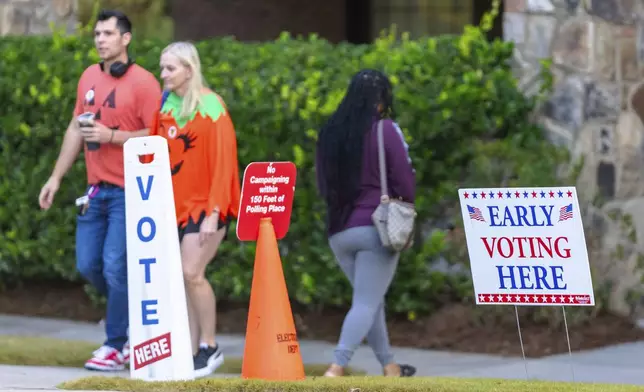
[369,97]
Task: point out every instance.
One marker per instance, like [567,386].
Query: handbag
[393,218]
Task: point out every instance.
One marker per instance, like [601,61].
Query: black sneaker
[207,360]
[407,370]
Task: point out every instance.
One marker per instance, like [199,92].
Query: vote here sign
[267,191]
[527,246]
[159,332]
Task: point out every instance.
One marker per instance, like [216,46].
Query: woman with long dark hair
[349,181]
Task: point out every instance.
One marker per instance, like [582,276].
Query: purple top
[401,179]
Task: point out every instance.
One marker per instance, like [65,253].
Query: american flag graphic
[565,212]
[475,213]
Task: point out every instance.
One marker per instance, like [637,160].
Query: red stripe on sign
[152,351]
[535,299]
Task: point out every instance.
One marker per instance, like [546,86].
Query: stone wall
[30,17]
[596,110]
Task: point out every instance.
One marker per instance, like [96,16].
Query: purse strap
[382,163]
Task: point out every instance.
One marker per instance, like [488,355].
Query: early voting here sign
[527,246]
[161,348]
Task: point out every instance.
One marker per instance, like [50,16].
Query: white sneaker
[126,353]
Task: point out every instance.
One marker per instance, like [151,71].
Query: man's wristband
[112,136]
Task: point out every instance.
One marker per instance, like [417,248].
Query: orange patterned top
[203,158]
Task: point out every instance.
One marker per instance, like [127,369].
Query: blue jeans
[102,259]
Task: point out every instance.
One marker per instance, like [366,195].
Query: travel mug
[87,120]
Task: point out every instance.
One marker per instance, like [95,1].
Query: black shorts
[193,227]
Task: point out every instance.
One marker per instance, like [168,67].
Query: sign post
[527,248]
[159,332]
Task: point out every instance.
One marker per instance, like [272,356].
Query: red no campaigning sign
[267,192]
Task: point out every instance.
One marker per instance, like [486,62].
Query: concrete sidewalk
[40,377]
[617,364]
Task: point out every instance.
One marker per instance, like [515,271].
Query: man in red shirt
[124,99]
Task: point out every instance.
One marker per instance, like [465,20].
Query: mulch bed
[455,327]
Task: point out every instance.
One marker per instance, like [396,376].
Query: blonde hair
[188,55]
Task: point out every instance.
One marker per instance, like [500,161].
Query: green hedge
[458,103]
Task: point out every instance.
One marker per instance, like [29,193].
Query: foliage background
[458,103]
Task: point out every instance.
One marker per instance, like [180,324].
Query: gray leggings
[370,269]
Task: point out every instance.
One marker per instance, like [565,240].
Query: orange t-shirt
[129,103]
[203,158]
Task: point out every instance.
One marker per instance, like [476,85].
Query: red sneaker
[106,359]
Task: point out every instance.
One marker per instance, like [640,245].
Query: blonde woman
[205,177]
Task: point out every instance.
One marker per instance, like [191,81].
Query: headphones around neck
[118,68]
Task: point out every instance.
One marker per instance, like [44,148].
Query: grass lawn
[35,351]
[20,350]
[345,384]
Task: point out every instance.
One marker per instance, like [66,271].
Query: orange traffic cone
[271,351]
